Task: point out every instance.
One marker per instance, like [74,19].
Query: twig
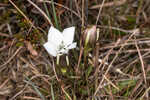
[80,56]
[104,60]
[115,46]
[4,83]
[5,35]
[78,15]
[127,51]
[119,29]
[76,4]
[9,29]
[66,93]
[111,83]
[100,9]
[110,65]
[141,60]
[55,72]
[114,3]
[83,13]
[42,12]
[59,81]
[147,91]
[11,57]
[3,4]
[22,13]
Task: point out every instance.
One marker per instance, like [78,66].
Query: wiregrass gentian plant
[60,43]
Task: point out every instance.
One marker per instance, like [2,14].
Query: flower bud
[90,35]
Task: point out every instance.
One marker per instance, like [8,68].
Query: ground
[110,62]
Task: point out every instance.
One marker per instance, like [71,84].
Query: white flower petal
[68,35]
[60,43]
[51,48]
[73,45]
[55,36]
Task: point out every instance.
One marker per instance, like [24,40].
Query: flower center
[61,46]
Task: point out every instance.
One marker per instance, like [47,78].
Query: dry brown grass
[117,67]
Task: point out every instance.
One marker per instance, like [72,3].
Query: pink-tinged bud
[90,35]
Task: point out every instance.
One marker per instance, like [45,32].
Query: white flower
[60,42]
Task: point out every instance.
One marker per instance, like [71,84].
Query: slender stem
[67,60]
[58,57]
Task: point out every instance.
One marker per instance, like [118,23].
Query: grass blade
[54,14]
[45,6]
[35,88]
[52,93]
